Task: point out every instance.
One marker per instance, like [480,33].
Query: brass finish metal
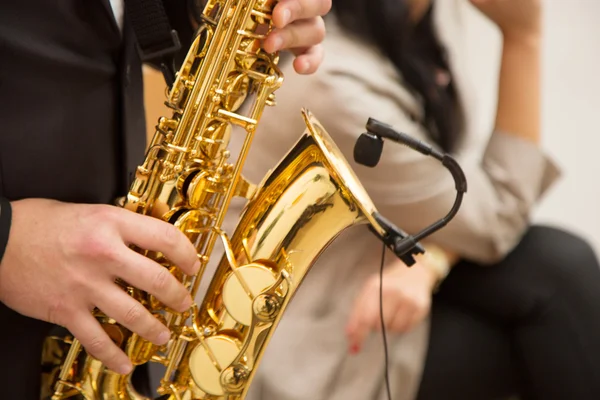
[308,199]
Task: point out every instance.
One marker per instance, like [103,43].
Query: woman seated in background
[497,307]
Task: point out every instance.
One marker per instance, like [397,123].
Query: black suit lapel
[110,14]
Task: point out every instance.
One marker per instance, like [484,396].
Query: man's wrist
[5,223]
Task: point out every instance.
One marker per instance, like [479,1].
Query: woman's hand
[299,27]
[517,19]
[406,302]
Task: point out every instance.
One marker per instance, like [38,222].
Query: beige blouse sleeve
[414,190]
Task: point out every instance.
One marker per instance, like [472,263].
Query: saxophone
[187,179]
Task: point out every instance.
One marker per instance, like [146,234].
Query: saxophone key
[243,286]
[208,361]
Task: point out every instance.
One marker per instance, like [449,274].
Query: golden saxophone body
[187,179]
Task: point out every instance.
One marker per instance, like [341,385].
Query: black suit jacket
[72,128]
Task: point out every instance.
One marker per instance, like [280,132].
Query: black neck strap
[156,40]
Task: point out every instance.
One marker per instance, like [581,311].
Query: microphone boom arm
[367,151]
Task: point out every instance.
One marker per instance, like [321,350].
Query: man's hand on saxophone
[299,27]
[62,261]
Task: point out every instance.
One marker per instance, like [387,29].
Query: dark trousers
[528,326]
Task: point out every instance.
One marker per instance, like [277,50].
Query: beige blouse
[308,356]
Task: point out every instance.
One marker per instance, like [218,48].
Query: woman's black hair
[418,55]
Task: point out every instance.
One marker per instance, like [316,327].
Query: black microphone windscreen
[368,149]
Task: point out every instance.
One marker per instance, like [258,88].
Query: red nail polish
[354,349]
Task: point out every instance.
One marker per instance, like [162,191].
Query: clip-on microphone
[368,150]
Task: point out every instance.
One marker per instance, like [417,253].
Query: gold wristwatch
[438,261]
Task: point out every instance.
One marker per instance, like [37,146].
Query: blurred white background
[571,104]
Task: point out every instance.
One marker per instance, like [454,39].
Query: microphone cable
[383,334]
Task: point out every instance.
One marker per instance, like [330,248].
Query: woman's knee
[556,256]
